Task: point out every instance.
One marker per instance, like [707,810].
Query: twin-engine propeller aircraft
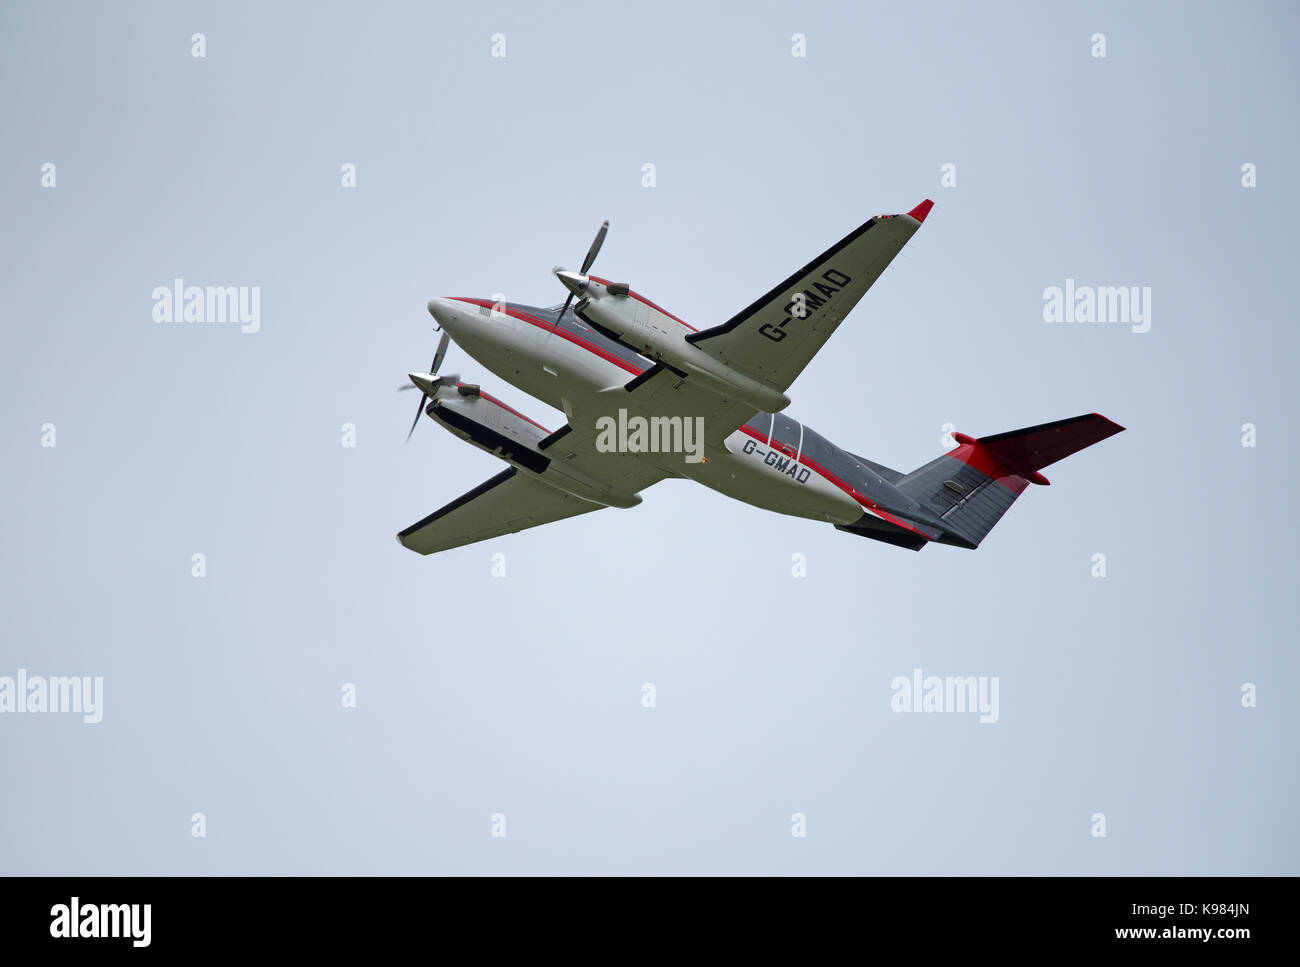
[649,396]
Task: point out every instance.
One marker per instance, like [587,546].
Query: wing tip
[921,210]
[1111,424]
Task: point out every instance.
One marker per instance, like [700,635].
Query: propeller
[591,257]
[450,380]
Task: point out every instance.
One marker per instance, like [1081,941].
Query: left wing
[777,335]
[511,501]
[516,499]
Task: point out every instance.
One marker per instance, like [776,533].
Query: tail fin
[971,487]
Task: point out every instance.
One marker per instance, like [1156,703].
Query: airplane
[647,397]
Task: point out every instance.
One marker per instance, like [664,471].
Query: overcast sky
[515,703]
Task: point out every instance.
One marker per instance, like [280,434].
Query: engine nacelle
[506,433]
[651,332]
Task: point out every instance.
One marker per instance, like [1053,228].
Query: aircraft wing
[516,500]
[659,393]
[777,335]
[509,502]
[577,444]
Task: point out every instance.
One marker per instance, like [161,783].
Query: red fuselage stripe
[847,488]
[555,330]
[748,430]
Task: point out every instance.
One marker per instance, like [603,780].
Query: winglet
[921,210]
[1118,428]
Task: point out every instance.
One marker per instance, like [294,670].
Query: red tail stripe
[974,455]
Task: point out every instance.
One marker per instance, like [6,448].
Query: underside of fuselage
[773,461]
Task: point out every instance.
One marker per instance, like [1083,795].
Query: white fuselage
[562,368]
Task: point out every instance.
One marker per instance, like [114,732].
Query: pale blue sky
[479,695]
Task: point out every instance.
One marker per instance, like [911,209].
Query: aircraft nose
[444,310]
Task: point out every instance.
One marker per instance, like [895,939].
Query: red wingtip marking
[921,210]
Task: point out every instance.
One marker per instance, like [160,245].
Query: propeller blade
[452,380]
[595,247]
[441,352]
[423,397]
[566,305]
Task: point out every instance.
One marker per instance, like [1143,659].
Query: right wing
[509,502]
[775,337]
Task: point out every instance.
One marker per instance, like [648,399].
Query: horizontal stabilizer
[1030,450]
